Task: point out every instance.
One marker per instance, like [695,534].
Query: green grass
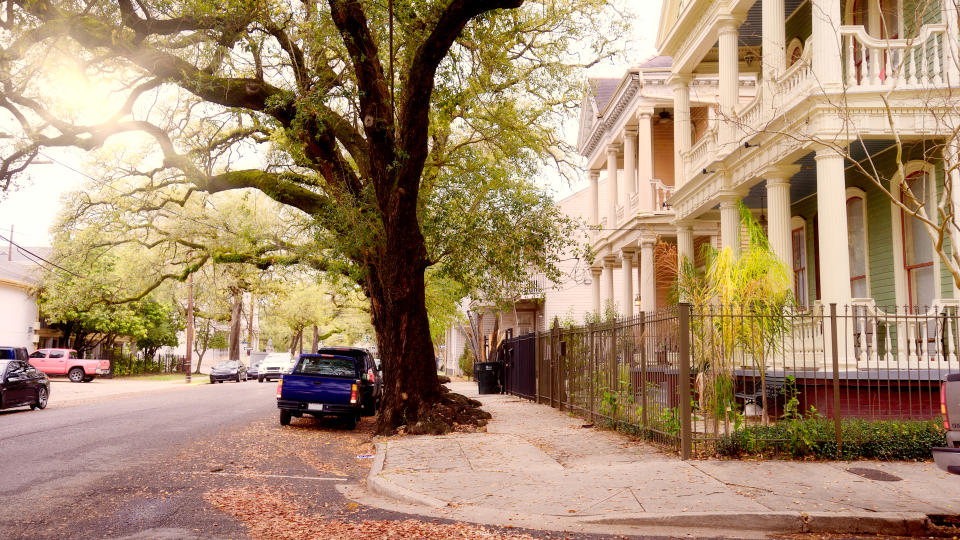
[196,379]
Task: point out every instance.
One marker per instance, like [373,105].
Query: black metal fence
[688,378]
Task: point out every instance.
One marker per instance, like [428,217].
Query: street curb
[889,523]
[381,486]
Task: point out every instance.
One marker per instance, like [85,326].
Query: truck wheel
[285,418]
[350,422]
[369,407]
[76,374]
[41,399]
[260,379]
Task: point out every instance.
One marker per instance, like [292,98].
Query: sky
[32,207]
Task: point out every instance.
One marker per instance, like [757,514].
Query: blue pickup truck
[327,384]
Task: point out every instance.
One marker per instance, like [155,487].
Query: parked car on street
[67,362]
[228,370]
[22,385]
[948,458]
[325,384]
[274,366]
[253,370]
[14,353]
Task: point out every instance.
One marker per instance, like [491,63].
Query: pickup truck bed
[321,385]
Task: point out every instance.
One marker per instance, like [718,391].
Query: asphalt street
[209,461]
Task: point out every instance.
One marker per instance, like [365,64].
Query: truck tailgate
[951,399]
[314,389]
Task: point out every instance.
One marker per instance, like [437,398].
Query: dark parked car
[230,370]
[253,371]
[22,385]
[14,353]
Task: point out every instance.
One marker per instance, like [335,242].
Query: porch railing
[661,193]
[871,62]
[701,154]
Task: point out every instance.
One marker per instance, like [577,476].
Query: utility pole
[10,247]
[189,359]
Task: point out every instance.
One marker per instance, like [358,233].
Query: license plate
[314,406]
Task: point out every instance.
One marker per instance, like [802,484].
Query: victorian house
[854,102]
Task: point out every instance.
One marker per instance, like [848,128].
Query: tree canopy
[371,128]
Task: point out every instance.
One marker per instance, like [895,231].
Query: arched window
[794,51]
[798,235]
[857,243]
[917,244]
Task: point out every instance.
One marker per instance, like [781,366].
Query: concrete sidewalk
[538,467]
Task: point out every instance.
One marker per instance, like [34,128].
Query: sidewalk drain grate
[874,474]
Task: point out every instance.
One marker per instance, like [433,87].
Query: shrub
[466,362]
[814,437]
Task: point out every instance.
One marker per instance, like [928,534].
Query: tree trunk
[236,317]
[399,315]
[316,340]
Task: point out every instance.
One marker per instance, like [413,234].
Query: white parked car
[274,366]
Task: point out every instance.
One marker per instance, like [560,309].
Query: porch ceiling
[751,30]
[804,183]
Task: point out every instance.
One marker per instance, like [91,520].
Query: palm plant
[741,300]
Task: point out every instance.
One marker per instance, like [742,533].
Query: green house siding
[880,229]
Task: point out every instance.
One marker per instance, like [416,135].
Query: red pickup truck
[66,362]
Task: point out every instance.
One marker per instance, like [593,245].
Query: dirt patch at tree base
[454,412]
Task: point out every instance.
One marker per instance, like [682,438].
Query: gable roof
[602,90]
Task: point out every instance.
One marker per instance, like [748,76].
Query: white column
[629,185]
[645,160]
[684,243]
[952,62]
[612,202]
[608,283]
[832,217]
[626,296]
[826,43]
[648,281]
[730,222]
[595,286]
[778,208]
[594,197]
[681,126]
[773,41]
[729,80]
[952,164]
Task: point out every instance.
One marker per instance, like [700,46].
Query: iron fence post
[537,368]
[643,370]
[591,377]
[835,353]
[684,383]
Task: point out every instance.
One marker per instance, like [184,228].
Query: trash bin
[488,377]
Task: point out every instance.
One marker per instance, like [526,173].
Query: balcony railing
[701,154]
[870,62]
[661,193]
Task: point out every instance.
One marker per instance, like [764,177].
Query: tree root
[454,412]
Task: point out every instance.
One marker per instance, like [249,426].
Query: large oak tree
[359,118]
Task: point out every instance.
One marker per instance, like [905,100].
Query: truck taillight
[279,387]
[353,394]
[943,406]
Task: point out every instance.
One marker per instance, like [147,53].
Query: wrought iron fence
[123,363]
[688,378]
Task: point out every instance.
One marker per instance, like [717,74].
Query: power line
[27,253]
